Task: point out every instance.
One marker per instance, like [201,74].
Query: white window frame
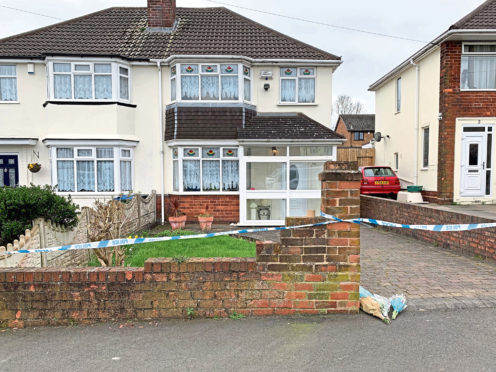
[116,159]
[114,73]
[424,166]
[484,54]
[180,158]
[396,161]
[287,193]
[219,73]
[398,95]
[298,76]
[361,136]
[10,76]
[249,78]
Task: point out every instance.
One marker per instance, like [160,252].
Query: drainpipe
[417,70]
[161,117]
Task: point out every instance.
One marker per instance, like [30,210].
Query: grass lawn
[219,246]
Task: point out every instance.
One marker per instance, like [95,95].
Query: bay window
[88,81]
[297,85]
[210,82]
[205,169]
[8,83]
[92,169]
[478,67]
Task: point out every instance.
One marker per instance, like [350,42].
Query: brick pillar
[318,268]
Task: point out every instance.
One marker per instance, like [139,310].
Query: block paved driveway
[430,277]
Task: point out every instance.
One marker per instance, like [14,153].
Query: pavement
[479,210]
[461,340]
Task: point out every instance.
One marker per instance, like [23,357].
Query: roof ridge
[58,24]
[476,11]
[280,33]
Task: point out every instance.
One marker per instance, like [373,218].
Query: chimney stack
[161,13]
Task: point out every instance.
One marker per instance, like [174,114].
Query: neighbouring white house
[203,104]
[436,113]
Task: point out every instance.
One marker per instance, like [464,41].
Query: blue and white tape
[126,241]
[437,228]
[332,219]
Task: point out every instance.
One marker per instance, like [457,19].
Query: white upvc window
[246,84]
[398,95]
[297,85]
[206,169]
[8,83]
[425,147]
[89,81]
[210,82]
[478,66]
[87,169]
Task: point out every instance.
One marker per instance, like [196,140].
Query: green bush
[19,206]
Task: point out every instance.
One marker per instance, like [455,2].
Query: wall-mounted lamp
[274,151]
[266,86]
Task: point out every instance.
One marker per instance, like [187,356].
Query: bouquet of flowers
[380,306]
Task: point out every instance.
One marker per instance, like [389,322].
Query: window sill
[89,194]
[297,104]
[477,90]
[7,102]
[424,169]
[88,103]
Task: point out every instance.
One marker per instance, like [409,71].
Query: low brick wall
[225,208]
[302,275]
[481,243]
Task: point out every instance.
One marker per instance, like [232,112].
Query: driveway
[430,277]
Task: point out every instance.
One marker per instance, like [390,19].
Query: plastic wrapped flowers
[380,306]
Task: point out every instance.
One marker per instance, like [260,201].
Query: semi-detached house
[200,103]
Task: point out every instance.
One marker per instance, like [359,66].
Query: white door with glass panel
[476,161]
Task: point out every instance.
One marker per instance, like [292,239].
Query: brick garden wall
[225,208]
[314,270]
[480,243]
[453,104]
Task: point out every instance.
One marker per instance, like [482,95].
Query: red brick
[314,278]
[303,287]
[340,296]
[296,295]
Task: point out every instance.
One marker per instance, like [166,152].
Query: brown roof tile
[122,32]
[482,17]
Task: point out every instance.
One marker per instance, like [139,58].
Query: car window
[378,172]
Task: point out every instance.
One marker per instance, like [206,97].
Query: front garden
[219,246]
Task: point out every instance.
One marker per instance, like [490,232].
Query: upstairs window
[210,82]
[478,67]
[398,95]
[8,83]
[89,81]
[297,85]
[358,136]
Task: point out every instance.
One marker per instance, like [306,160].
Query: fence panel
[364,157]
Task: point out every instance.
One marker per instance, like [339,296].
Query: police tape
[129,241]
[331,220]
[436,228]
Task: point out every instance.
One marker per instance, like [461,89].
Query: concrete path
[430,277]
[461,340]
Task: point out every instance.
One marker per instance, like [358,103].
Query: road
[452,340]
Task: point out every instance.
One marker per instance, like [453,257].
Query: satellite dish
[378,136]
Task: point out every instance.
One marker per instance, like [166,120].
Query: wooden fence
[364,157]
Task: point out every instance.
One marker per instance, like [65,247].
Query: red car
[379,180]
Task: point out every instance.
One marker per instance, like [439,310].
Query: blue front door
[9,170]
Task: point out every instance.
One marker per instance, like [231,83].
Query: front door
[476,162]
[9,171]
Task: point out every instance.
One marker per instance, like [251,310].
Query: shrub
[19,206]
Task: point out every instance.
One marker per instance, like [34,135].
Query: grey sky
[366,57]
